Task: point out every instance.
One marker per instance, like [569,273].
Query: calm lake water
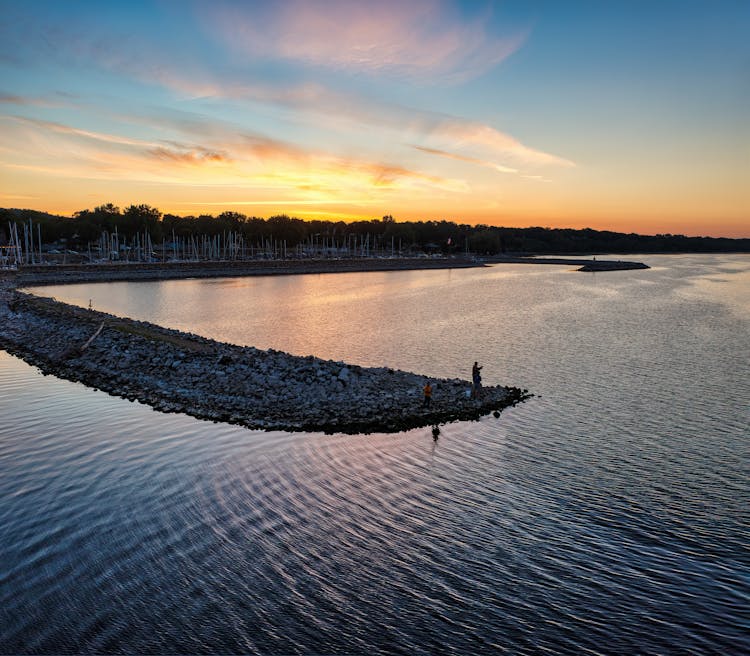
[606,515]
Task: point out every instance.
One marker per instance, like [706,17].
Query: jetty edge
[584,264]
[174,371]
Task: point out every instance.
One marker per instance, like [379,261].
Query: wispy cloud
[13,99]
[384,175]
[238,159]
[56,100]
[468,132]
[67,129]
[416,39]
[163,150]
[188,155]
[16,197]
[264,149]
[441,132]
[465,158]
[419,38]
[281,202]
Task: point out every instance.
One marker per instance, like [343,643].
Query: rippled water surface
[608,514]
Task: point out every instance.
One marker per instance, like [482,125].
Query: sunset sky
[628,116]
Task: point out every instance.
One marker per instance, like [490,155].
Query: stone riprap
[173,371]
[584,264]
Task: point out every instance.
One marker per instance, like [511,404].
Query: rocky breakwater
[610,265]
[174,371]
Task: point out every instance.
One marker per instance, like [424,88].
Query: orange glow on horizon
[350,211]
[476,113]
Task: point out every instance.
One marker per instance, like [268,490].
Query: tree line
[446,237]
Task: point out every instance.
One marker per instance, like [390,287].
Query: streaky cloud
[88,134]
[250,160]
[277,202]
[466,158]
[17,197]
[59,99]
[188,155]
[479,134]
[425,40]
[315,99]
[13,99]
[426,18]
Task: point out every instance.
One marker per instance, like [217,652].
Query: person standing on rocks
[476,380]
[427,394]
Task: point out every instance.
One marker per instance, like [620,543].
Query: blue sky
[618,115]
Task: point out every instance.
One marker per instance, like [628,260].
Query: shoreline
[58,274]
[174,371]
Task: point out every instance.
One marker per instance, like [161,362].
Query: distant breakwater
[174,371]
[584,264]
